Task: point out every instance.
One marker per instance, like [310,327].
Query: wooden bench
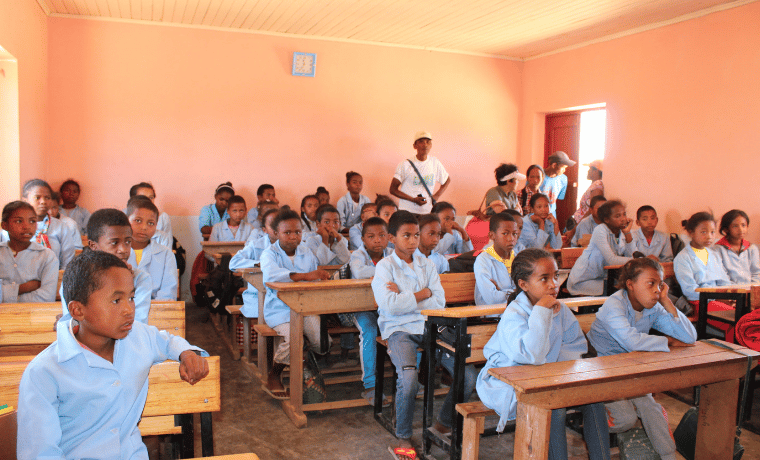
[222,247]
[474,415]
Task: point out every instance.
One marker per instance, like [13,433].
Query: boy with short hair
[555,183]
[649,241]
[493,266]
[265,192]
[155,259]
[355,232]
[236,228]
[404,284]
[327,244]
[83,396]
[430,236]
[587,225]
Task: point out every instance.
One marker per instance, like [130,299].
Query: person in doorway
[415,195]
[595,189]
[555,183]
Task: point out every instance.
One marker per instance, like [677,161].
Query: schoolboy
[587,225]
[69,194]
[83,396]
[493,266]
[404,284]
[355,232]
[164,233]
[285,261]
[454,239]
[555,183]
[265,192]
[29,271]
[649,241]
[430,237]
[155,259]
[327,244]
[108,230]
[236,228]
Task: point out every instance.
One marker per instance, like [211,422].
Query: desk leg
[532,432]
[262,357]
[246,339]
[294,406]
[715,426]
[702,318]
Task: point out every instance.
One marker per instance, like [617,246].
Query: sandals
[403,453]
[276,394]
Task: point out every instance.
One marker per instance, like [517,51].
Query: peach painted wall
[188,109]
[682,104]
[23,33]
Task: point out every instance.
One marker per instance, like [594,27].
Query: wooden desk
[737,292]
[539,389]
[222,247]
[612,275]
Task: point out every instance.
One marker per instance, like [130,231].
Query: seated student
[83,396]
[355,232]
[54,210]
[455,239]
[739,257]
[404,284]
[147,255]
[309,205]
[611,244]
[108,230]
[540,229]
[586,226]
[697,266]
[649,241]
[28,271]
[69,194]
[322,195]
[537,328]
[351,204]
[258,228]
[236,228]
[622,325]
[285,261]
[327,244]
[249,257]
[519,221]
[216,212]
[430,237]
[363,262]
[385,209]
[265,193]
[493,282]
[164,224]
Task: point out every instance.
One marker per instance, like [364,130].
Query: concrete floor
[250,421]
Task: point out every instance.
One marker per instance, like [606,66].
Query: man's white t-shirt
[431,170]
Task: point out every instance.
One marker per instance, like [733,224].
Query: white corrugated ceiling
[508,28]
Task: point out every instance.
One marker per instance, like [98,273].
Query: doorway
[10,173]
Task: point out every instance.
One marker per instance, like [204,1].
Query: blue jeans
[402,348]
[366,322]
[595,432]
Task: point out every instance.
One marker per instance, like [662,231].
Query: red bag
[747,331]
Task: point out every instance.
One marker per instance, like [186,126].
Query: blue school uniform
[33,263]
[659,247]
[249,257]
[401,312]
[351,212]
[164,225]
[616,330]
[742,268]
[337,254]
[585,227]
[487,268]
[222,232]
[276,266]
[453,243]
[63,239]
[79,215]
[526,335]
[355,236]
[441,263]
[533,237]
[210,216]
[75,404]
[253,217]
[162,238]
[557,186]
[587,275]
[159,262]
[692,273]
[362,266]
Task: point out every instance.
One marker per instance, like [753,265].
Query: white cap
[422,135]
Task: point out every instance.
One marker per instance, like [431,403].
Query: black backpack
[676,243]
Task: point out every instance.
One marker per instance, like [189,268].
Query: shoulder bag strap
[432,200]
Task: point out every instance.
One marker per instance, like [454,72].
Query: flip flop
[403,453]
[273,395]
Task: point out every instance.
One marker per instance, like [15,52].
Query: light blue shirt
[453,243]
[533,237]
[73,404]
[33,263]
[276,266]
[585,227]
[350,211]
[401,312]
[741,268]
[222,232]
[526,335]
[159,262]
[210,216]
[253,217]
[659,247]
[337,254]
[63,239]
[249,257]
[355,236]
[486,269]
[616,330]
[557,185]
[441,263]
[164,225]
[692,273]
[79,215]
[164,239]
[603,249]
[361,263]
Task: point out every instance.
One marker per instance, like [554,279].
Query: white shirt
[431,170]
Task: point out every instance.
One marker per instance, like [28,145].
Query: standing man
[555,184]
[415,195]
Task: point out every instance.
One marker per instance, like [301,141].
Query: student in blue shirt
[164,224]
[155,259]
[555,183]
[584,229]
[739,257]
[540,228]
[286,261]
[649,241]
[355,232]
[404,284]
[83,396]
[327,244]
[217,211]
[493,281]
[535,329]
[309,206]
[454,238]
[28,271]
[385,209]
[430,237]
[351,204]
[622,325]
[264,194]
[236,228]
[69,193]
[51,232]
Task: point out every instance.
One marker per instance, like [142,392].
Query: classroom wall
[682,106]
[188,109]
[23,34]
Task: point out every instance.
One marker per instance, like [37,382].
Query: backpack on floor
[314,389]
